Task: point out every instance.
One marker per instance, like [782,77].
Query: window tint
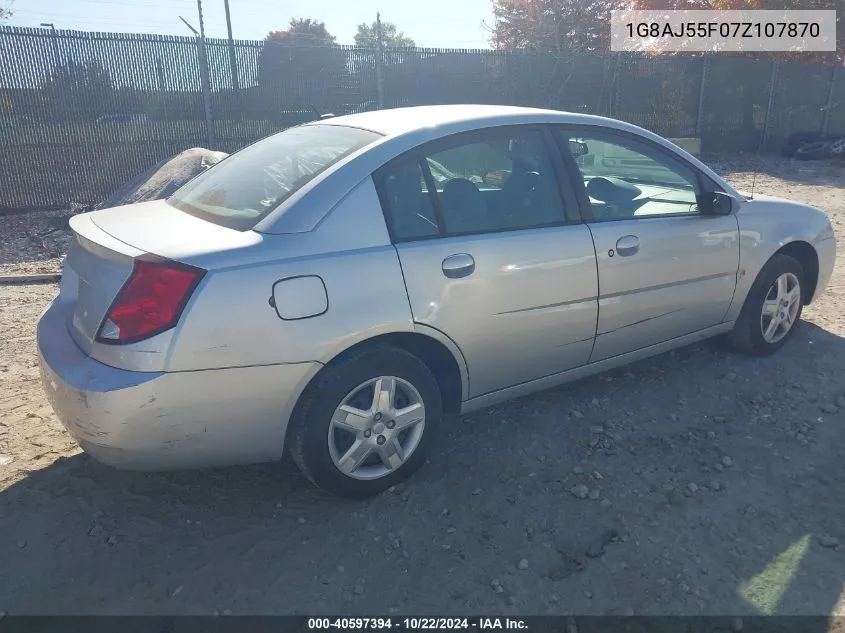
[406,201]
[498,180]
[626,178]
[247,186]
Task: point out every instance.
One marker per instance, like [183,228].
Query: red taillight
[150,302]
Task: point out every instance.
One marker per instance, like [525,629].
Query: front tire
[365,423]
[772,309]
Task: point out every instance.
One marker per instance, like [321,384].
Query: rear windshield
[245,187]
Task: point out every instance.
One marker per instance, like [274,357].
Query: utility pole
[232,60]
[379,64]
[203,68]
[55,40]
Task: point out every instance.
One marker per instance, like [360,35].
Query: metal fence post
[829,104]
[614,99]
[379,64]
[772,83]
[699,119]
[206,91]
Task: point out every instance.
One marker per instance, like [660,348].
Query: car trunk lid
[95,270]
[101,258]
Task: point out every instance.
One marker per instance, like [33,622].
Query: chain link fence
[81,112]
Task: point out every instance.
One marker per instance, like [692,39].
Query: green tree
[391,37]
[79,90]
[296,65]
[552,25]
[303,32]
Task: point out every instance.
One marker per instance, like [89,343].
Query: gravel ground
[697,482]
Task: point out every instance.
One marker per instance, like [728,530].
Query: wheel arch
[435,349]
[807,256]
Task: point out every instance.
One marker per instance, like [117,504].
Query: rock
[164,178]
[840,402]
[568,566]
[711,435]
[580,490]
[597,475]
[111,541]
[727,462]
[693,488]
[714,485]
[829,407]
[21,544]
[594,442]
[736,625]
[95,530]
[594,401]
[301,520]
[5,460]
[451,530]
[718,468]
[673,417]
[827,541]
[628,612]
[597,430]
[476,492]
[675,498]
[522,565]
[719,419]
[606,503]
[577,470]
[588,595]
[596,548]
[595,494]
[358,589]
[577,415]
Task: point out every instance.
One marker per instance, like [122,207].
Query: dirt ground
[713,484]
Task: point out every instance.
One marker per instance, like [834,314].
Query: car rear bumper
[161,420]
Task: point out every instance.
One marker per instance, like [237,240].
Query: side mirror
[578,148]
[717,203]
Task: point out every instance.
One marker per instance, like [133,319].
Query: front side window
[245,187]
[626,178]
[497,180]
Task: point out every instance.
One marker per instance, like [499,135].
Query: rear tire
[323,438]
[754,333]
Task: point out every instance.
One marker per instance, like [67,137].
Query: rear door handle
[458,265]
[627,245]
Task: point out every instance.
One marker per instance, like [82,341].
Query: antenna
[753,181]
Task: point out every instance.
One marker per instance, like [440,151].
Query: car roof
[397,121]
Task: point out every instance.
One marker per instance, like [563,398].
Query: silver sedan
[343,288]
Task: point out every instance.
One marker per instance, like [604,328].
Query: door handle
[458,265]
[627,245]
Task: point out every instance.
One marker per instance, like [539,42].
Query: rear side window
[243,189]
[493,180]
[406,201]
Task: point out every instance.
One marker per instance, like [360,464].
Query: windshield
[244,188]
